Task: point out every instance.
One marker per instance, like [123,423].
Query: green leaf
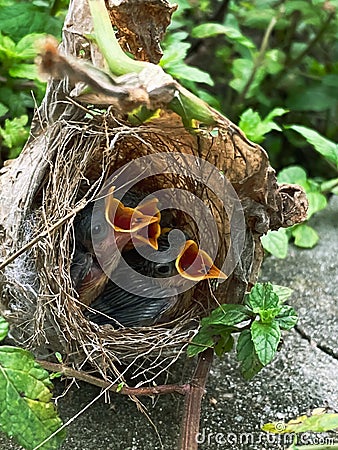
[20,19]
[25,395]
[241,70]
[276,243]
[227,315]
[317,423]
[204,339]
[4,327]
[322,145]
[305,236]
[7,47]
[265,337]
[287,317]
[292,174]
[3,109]
[174,54]
[247,356]
[283,292]
[26,48]
[255,128]
[224,344]
[327,186]
[317,202]
[276,112]
[207,30]
[15,134]
[262,297]
[267,315]
[316,98]
[182,70]
[273,61]
[58,356]
[29,71]
[120,386]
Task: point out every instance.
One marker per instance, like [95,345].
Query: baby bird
[149,300]
[102,231]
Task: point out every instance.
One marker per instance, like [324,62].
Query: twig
[258,61]
[193,399]
[313,42]
[141,391]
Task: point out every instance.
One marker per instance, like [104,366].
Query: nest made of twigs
[80,158]
[72,153]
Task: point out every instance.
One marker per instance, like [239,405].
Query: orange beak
[142,222]
[151,233]
[195,264]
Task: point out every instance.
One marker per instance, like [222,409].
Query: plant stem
[118,62]
[193,400]
[258,61]
[313,42]
[186,104]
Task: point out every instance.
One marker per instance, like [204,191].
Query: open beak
[195,264]
[141,222]
[151,233]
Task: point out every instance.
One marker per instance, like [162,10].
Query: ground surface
[302,376]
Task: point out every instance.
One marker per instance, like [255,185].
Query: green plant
[258,324]
[23,24]
[263,55]
[25,393]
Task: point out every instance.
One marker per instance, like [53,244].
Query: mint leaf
[262,297]
[247,356]
[205,338]
[265,337]
[224,344]
[227,315]
[26,48]
[292,174]
[305,236]
[283,292]
[317,202]
[25,394]
[276,243]
[287,317]
[267,315]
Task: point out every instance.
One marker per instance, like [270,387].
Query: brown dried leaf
[141,26]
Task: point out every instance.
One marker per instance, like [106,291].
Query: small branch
[193,399]
[141,391]
[259,59]
[313,42]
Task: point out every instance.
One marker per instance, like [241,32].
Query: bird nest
[73,152]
